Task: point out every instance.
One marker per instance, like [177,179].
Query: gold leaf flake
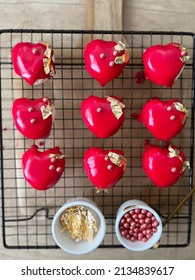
[57,156]
[120,46]
[186,164]
[174,153]
[124,58]
[80,223]
[180,107]
[47,60]
[116,107]
[46,111]
[118,160]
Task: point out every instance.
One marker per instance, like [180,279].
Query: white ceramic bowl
[65,241]
[137,245]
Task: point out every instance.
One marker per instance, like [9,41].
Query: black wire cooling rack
[26,213]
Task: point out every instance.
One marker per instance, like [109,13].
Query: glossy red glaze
[27,59]
[99,59]
[41,170]
[97,167]
[162,118]
[163,63]
[98,116]
[28,117]
[162,169]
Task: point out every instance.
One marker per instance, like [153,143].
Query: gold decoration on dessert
[124,58]
[116,107]
[180,107]
[175,153]
[120,46]
[186,164]
[184,53]
[46,111]
[56,156]
[118,160]
[80,223]
[99,190]
[47,61]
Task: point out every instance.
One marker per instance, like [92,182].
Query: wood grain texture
[104,15]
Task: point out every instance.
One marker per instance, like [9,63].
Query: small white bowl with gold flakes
[79,226]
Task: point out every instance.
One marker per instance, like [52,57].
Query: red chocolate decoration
[163,64]
[105,60]
[164,119]
[33,62]
[164,166]
[42,170]
[104,168]
[33,118]
[103,116]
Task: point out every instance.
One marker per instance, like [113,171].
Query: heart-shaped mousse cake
[33,118]
[42,170]
[164,165]
[103,116]
[105,60]
[164,118]
[104,168]
[164,63]
[33,62]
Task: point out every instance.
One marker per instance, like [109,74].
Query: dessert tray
[26,213]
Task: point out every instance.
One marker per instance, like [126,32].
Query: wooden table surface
[139,15]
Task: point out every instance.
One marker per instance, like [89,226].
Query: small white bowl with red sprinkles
[138,227]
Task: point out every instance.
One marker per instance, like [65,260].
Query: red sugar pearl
[141,216]
[147,220]
[122,221]
[144,239]
[133,238]
[131,212]
[133,224]
[121,228]
[128,236]
[137,211]
[123,233]
[155,223]
[154,229]
[142,221]
[134,216]
[153,218]
[149,215]
[143,226]
[127,215]
[140,235]
[144,211]
[126,225]
[129,220]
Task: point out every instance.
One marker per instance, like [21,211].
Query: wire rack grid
[26,213]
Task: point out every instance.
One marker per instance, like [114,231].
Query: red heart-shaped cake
[164,165]
[33,62]
[33,118]
[104,168]
[164,63]
[164,118]
[105,60]
[103,116]
[42,170]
